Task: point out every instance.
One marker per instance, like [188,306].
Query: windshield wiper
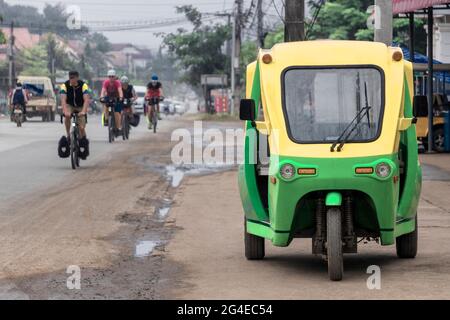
[350,125]
[367,104]
[357,117]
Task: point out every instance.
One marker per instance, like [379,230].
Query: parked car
[167,107]
[180,107]
[139,104]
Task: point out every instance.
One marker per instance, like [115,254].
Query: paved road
[29,159]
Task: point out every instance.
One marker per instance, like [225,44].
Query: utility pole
[430,29]
[383,31]
[294,28]
[12,71]
[235,55]
[260,28]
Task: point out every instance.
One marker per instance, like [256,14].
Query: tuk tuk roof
[404,6]
[331,52]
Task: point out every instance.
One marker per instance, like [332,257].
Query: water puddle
[176,174]
[145,248]
[163,212]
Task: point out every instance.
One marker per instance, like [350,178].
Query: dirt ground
[94,220]
[210,248]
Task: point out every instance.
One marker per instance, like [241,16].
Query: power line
[112,26]
[94,3]
[319,6]
[278,13]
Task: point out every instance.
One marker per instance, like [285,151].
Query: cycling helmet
[124,79]
[154,77]
[112,73]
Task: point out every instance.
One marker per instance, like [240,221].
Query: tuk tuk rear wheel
[254,246]
[406,244]
[334,245]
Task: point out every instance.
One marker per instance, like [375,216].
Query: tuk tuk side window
[320,103]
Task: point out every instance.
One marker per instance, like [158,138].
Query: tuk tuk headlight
[287,171]
[383,170]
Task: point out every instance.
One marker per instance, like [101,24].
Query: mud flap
[333,199]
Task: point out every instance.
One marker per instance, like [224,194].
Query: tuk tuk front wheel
[334,244]
[406,244]
[254,246]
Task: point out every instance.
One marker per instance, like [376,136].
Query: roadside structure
[411,7]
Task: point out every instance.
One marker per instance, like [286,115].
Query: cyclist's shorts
[118,107]
[81,120]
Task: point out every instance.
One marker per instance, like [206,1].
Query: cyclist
[154,90]
[75,99]
[112,88]
[18,96]
[128,93]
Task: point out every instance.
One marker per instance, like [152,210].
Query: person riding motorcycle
[18,97]
[75,99]
[154,90]
[112,88]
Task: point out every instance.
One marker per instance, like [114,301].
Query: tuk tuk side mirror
[420,106]
[247,110]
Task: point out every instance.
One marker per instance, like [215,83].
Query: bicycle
[110,104]
[126,119]
[152,112]
[75,141]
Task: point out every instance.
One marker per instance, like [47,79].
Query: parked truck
[41,97]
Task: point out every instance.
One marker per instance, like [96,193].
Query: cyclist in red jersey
[112,88]
[154,90]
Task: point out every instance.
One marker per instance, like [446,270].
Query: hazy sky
[131,10]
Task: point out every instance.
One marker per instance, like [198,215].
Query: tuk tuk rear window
[320,103]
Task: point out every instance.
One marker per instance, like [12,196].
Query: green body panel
[410,196]
[248,187]
[333,199]
[381,195]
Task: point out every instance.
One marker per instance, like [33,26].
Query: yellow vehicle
[440,106]
[342,160]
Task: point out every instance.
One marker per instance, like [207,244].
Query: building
[129,57]
[24,39]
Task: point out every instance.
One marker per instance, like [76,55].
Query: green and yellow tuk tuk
[330,149]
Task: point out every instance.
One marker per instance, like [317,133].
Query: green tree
[102,43]
[33,61]
[199,51]
[347,20]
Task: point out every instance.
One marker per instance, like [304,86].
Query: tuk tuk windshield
[319,104]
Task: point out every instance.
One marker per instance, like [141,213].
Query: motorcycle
[18,115]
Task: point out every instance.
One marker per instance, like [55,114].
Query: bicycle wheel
[154,120]
[127,127]
[124,129]
[77,149]
[111,128]
[73,150]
